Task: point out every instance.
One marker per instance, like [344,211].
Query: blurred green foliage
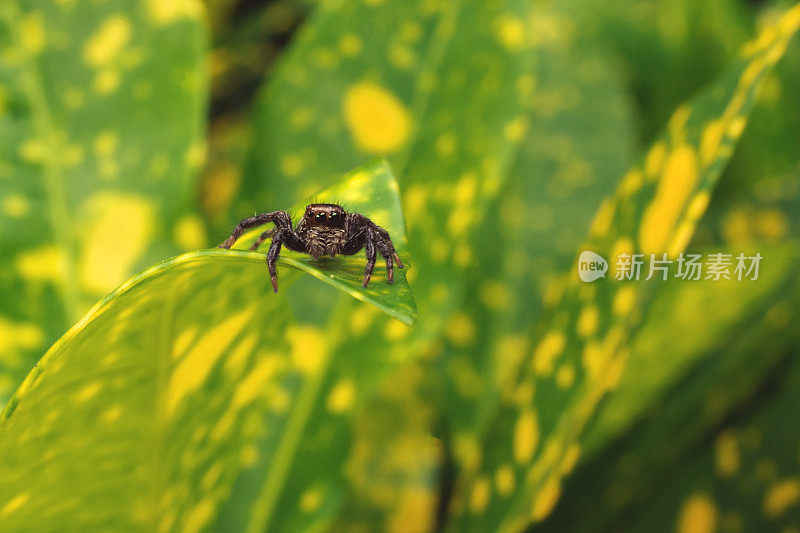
[520,132]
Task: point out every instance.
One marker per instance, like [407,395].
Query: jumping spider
[325,229]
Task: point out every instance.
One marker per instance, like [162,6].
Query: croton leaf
[449,109]
[665,409]
[535,439]
[101,117]
[199,376]
[372,191]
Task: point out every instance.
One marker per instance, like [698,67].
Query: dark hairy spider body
[325,229]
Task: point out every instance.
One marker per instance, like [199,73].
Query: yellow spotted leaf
[654,211]
[101,114]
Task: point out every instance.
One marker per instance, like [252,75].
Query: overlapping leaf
[101,110]
[576,150]
[200,376]
[664,409]
[450,123]
[372,191]
[654,211]
[746,477]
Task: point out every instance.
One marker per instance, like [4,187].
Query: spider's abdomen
[324,241]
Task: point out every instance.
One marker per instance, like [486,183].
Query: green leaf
[578,145]
[200,377]
[745,474]
[101,111]
[665,407]
[655,210]
[372,191]
[449,109]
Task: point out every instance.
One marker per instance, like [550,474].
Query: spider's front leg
[373,238]
[281,237]
[281,219]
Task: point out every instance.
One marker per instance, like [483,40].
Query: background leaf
[100,133]
[689,158]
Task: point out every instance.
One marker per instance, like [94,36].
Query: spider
[325,229]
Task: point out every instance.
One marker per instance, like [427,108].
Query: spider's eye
[321,217]
[334,217]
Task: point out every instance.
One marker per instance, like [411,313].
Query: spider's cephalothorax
[325,229]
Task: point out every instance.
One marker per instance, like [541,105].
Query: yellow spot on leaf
[14,504]
[603,218]
[109,40]
[588,321]
[772,224]
[88,392]
[467,452]
[32,33]
[624,300]
[565,376]
[15,206]
[712,138]
[168,11]
[595,357]
[118,232]
[726,456]
[654,159]
[546,352]
[291,165]
[401,57]
[781,496]
[481,492]
[32,150]
[396,330]
[342,396]
[546,499]
[350,45]
[41,264]
[526,436]
[309,348]
[516,129]
[255,383]
[311,500]
[511,32]
[199,515]
[698,515]
[106,81]
[378,121]
[504,480]
[190,233]
[106,143]
[194,369]
[495,295]
[674,187]
[460,330]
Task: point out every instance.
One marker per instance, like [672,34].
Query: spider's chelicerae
[325,229]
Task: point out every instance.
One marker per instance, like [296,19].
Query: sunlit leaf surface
[371,191]
[198,372]
[101,111]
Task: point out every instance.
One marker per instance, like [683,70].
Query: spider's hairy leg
[280,237]
[369,249]
[384,244]
[281,220]
[272,256]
